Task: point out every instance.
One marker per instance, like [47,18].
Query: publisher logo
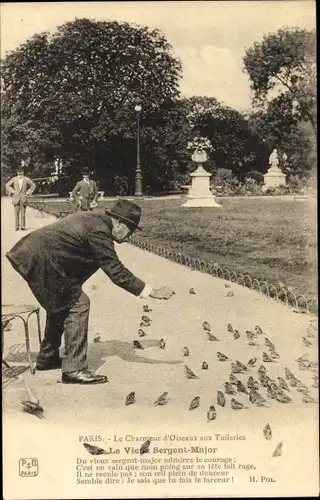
[28,467]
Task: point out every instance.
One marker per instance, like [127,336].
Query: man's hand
[165,293]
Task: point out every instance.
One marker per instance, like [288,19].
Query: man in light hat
[56,260]
[20,187]
[86,192]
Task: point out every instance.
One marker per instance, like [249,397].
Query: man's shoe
[83,377]
[49,365]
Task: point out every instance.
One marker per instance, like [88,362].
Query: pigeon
[228,388]
[229,328]
[144,324]
[250,383]
[162,400]
[304,365]
[306,342]
[289,375]
[273,354]
[227,286]
[221,400]
[130,399]
[192,291]
[262,369]
[235,368]
[146,309]
[206,326]
[278,450]
[185,351]
[267,432]
[308,399]
[241,387]
[189,372]
[252,362]
[137,345]
[94,450]
[236,335]
[97,338]
[258,330]
[278,394]
[162,344]
[242,366]
[266,358]
[194,403]
[301,387]
[211,413]
[251,335]
[233,379]
[146,319]
[222,357]
[230,294]
[256,398]
[212,338]
[235,405]
[204,366]
[268,343]
[144,448]
[33,408]
[141,333]
[283,384]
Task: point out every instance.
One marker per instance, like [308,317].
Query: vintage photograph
[159,312]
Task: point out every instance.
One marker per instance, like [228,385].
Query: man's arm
[9,188]
[95,191]
[32,186]
[75,190]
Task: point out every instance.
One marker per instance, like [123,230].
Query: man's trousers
[20,209]
[73,322]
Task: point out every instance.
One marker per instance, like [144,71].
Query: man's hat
[85,171]
[126,212]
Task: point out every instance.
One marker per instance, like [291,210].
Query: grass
[271,239]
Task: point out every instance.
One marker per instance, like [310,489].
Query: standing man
[56,260]
[20,187]
[85,192]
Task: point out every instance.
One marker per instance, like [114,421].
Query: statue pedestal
[274,177]
[199,192]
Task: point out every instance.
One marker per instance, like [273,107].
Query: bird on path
[233,379]
[252,362]
[204,366]
[256,398]
[258,330]
[162,400]
[227,286]
[262,369]
[206,326]
[162,344]
[141,333]
[221,356]
[242,366]
[273,354]
[97,338]
[230,328]
[266,358]
[241,387]
[221,400]
[235,405]
[211,413]
[306,342]
[211,337]
[228,388]
[283,384]
[131,398]
[301,387]
[278,450]
[137,345]
[236,335]
[236,369]
[251,335]
[308,399]
[192,291]
[267,432]
[185,351]
[144,448]
[144,324]
[268,343]
[250,382]
[189,372]
[146,308]
[146,318]
[33,408]
[230,294]
[194,403]
[94,450]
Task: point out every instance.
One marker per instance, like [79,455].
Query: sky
[210,37]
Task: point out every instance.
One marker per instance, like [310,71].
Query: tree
[72,94]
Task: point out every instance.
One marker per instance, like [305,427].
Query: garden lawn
[269,238]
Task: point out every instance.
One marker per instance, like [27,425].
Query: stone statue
[274,160]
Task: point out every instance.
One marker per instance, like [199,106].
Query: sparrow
[141,333]
[283,384]
[211,413]
[204,366]
[192,291]
[229,328]
[243,367]
[228,388]
[233,379]
[94,450]
[221,400]
[146,309]
[222,357]
[267,432]
[97,338]
[230,294]
[137,345]
[194,403]
[278,450]
[162,344]
[241,387]
[235,368]
[206,326]
[162,400]
[268,343]
[131,398]
[258,330]
[33,408]
[212,337]
[308,399]
[185,351]
[252,362]
[266,358]
[236,335]
[144,448]
[256,398]
[306,342]
[235,405]
[189,372]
